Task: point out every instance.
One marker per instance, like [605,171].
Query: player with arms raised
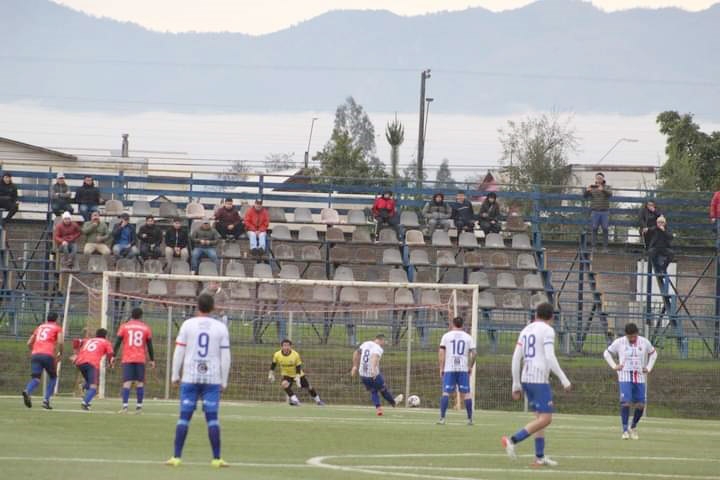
[456,357]
[535,352]
[134,336]
[636,357]
[88,360]
[291,369]
[202,353]
[42,344]
[366,362]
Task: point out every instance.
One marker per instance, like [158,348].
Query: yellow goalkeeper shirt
[288,363]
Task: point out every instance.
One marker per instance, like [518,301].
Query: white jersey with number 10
[202,350]
[367,350]
[458,345]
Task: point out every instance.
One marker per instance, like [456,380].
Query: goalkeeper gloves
[297,381]
[271,376]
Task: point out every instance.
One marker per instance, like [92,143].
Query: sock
[468,408]
[444,402]
[637,415]
[375,398]
[289,392]
[388,396]
[213,432]
[125,397]
[181,430]
[539,447]
[90,395]
[51,389]
[520,436]
[32,385]
[313,393]
[140,395]
[624,416]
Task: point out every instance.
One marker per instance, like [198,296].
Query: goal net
[326,321]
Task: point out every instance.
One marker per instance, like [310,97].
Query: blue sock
[90,395]
[32,385]
[125,396]
[50,389]
[181,430]
[468,408]
[388,396]
[375,398]
[213,432]
[624,416]
[444,402]
[520,436]
[140,395]
[637,415]
[539,447]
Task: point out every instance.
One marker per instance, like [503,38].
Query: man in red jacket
[257,220]
[65,235]
[384,212]
[715,209]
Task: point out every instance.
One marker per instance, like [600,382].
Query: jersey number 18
[529,346]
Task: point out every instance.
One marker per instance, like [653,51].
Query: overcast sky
[258,17]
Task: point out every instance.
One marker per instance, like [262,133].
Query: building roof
[37,148]
[582,167]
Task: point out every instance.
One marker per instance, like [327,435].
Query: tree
[351,118]
[275,162]
[410,174]
[443,177]
[237,171]
[395,135]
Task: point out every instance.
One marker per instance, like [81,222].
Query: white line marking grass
[146,462]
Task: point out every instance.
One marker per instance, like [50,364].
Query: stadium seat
[231,249]
[404,296]
[445,258]
[377,296]
[126,265]
[419,258]
[538,298]
[208,269]
[349,295]
[494,240]
[480,279]
[262,270]
[425,276]
[267,293]
[185,289]
[235,269]
[323,294]
[141,208]
[512,301]
[308,234]
[180,267]
[515,223]
[486,300]
[533,281]
[506,280]
[391,256]
[472,259]
[526,261]
[244,207]
[302,215]
[388,237]
[409,219]
[157,288]
[356,217]
[289,271]
[441,238]
[315,272]
[366,256]
[311,253]
[195,210]
[130,286]
[277,214]
[499,260]
[113,207]
[397,275]
[430,297]
[340,255]
[334,235]
[521,241]
[361,235]
[240,291]
[167,210]
[153,266]
[283,252]
[329,216]
[467,240]
[344,274]
[453,275]
[97,263]
[280,232]
[414,237]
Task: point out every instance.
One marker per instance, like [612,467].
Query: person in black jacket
[87,197]
[660,247]
[176,243]
[648,221]
[150,237]
[463,214]
[8,197]
[489,216]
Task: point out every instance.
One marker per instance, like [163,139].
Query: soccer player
[134,336]
[366,362]
[42,344]
[535,349]
[636,358]
[88,361]
[202,352]
[456,357]
[291,369]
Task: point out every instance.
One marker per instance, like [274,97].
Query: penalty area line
[125,461]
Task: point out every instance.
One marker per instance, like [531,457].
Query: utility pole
[307,150]
[424,75]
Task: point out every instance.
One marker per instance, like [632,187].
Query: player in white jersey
[535,351]
[366,362]
[456,357]
[202,351]
[636,358]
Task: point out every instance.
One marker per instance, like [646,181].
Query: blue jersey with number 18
[203,339]
[532,341]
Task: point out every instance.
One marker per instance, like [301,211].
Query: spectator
[204,240]
[97,235]
[463,214]
[715,210]
[88,197]
[257,220]
[648,221]
[437,213]
[599,194]
[60,196]
[150,239]
[176,243]
[660,248]
[124,238]
[228,222]
[384,212]
[66,234]
[8,197]
[489,216]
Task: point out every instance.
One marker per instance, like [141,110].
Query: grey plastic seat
[97,263]
[322,294]
[377,296]
[480,279]
[308,234]
[391,256]
[388,237]
[262,270]
[349,295]
[334,235]
[472,260]
[152,266]
[240,291]
[425,276]
[283,252]
[445,258]
[440,238]
[185,289]
[398,275]
[311,253]
[289,271]
[231,249]
[167,210]
[419,258]
[329,216]
[374,274]
[235,269]
[506,280]
[157,288]
[538,298]
[515,223]
[452,275]
[267,293]
[141,208]
[430,297]
[409,219]
[414,237]
[361,235]
[302,215]
[494,240]
[208,268]
[180,267]
[366,255]
[113,207]
[486,300]
[281,232]
[499,260]
[340,255]
[533,281]
[126,265]
[315,272]
[404,296]
[130,285]
[467,240]
[195,210]
[277,214]
[521,241]
[526,261]
[356,217]
[512,301]
[344,274]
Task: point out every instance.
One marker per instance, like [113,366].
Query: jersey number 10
[458,347]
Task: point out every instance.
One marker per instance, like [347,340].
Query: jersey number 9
[203,344]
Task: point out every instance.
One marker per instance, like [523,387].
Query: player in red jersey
[134,335]
[42,344]
[88,362]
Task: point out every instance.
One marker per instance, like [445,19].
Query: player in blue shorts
[456,356]
[366,362]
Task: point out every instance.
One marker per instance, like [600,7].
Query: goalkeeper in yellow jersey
[291,369]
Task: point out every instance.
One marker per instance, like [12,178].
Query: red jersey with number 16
[135,335]
[46,336]
[93,350]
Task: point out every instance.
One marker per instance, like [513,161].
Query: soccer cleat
[634,434]
[173,462]
[398,399]
[509,446]
[46,405]
[441,421]
[544,462]
[26,399]
[138,410]
[320,403]
[123,410]
[85,406]
[470,422]
[379,411]
[219,463]
[625,436]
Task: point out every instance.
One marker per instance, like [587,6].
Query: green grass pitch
[275,441]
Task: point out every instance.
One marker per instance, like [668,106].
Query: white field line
[121,461]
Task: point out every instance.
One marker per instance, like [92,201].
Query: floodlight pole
[424,75]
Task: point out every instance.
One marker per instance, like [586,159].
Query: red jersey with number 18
[135,335]
[46,336]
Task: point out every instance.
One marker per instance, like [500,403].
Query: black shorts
[303,381]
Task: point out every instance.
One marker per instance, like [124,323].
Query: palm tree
[395,135]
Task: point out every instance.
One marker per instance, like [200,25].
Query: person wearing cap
[150,237]
[257,220]
[97,235]
[87,197]
[8,197]
[205,240]
[463,214]
[228,222]
[65,235]
[124,238]
[385,213]
[176,243]
[489,216]
[60,196]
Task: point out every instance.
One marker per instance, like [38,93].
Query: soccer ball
[413,401]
